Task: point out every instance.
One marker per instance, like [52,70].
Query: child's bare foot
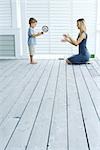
[34,62]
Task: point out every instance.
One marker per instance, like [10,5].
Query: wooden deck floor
[49,106]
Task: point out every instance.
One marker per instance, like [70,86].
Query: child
[32,39]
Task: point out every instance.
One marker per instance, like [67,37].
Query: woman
[83,55]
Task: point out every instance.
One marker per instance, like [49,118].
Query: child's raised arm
[37,34]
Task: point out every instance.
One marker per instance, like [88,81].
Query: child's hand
[40,33]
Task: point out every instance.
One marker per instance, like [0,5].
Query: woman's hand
[66,38]
[66,35]
[63,40]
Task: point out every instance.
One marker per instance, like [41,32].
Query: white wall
[5,13]
[60,16]
[98,31]
[9,26]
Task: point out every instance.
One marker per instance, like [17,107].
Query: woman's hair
[32,20]
[82,21]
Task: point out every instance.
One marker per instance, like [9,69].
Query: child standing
[32,39]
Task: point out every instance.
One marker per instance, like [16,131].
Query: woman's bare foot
[67,61]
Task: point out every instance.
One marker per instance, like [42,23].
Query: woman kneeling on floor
[83,56]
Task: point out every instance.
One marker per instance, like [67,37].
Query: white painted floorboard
[49,106]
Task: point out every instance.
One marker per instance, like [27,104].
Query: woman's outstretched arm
[76,42]
[67,40]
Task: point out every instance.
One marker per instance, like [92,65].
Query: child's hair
[32,20]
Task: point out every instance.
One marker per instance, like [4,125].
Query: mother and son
[81,58]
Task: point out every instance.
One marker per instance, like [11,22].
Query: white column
[23,4]
[16,26]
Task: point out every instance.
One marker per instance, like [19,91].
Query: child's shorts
[31,49]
